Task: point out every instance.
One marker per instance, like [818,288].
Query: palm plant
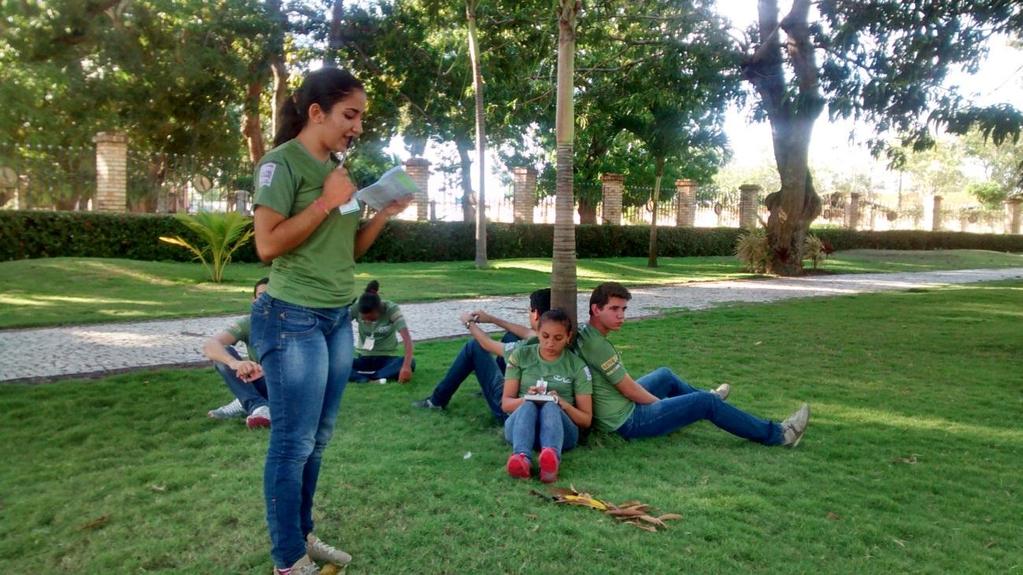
[220,235]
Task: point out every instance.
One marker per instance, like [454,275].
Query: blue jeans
[681,404]
[306,354]
[489,372]
[539,425]
[252,394]
[370,367]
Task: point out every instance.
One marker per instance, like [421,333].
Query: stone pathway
[50,353]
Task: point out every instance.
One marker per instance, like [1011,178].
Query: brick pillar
[936,216]
[111,172]
[613,185]
[524,194]
[748,195]
[419,170]
[852,212]
[685,216]
[1015,215]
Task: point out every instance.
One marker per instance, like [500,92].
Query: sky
[837,146]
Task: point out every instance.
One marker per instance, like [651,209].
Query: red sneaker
[548,465]
[260,417]
[518,466]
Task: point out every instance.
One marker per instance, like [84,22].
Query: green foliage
[990,194]
[220,235]
[85,234]
[753,250]
[1003,163]
[172,75]
[814,250]
[886,65]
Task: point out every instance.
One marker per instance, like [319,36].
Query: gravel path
[49,353]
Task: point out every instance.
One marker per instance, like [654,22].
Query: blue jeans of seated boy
[537,425]
[370,367]
[252,394]
[681,404]
[489,372]
[306,354]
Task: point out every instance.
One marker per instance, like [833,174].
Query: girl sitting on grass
[546,369]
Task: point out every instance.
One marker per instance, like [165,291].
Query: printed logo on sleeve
[609,365]
[589,376]
[266,174]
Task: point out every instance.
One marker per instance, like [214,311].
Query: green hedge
[85,234]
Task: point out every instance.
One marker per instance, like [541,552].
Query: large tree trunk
[796,204]
[587,211]
[465,179]
[481,144]
[252,129]
[280,73]
[563,275]
[278,65]
[334,40]
[651,261]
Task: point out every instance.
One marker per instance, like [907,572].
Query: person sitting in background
[485,357]
[244,377]
[659,402]
[379,322]
[548,396]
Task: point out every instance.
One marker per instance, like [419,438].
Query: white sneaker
[229,411]
[722,391]
[324,553]
[260,417]
[303,566]
[794,427]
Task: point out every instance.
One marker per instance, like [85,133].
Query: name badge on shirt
[368,343]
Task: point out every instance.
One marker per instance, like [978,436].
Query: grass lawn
[58,291]
[911,462]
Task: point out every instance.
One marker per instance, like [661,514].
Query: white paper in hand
[393,185]
[351,207]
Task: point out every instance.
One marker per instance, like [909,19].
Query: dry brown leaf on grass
[634,513]
[642,526]
[96,523]
[653,520]
[625,512]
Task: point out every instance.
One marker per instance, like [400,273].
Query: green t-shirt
[611,409]
[240,331]
[568,375]
[321,271]
[380,336]
[510,346]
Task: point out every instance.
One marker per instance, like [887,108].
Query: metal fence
[47,177]
[34,177]
[170,183]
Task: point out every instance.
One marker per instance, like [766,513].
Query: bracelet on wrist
[319,204]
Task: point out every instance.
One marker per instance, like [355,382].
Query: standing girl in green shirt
[301,324]
[545,368]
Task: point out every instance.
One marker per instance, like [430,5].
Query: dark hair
[605,291]
[325,87]
[540,301]
[370,299]
[261,282]
[558,316]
